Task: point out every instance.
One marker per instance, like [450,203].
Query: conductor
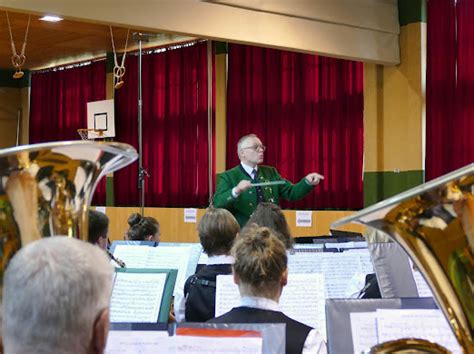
[243,187]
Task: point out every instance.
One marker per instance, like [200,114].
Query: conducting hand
[243,186]
[314,178]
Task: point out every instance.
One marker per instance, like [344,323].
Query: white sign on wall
[190,215]
[304,218]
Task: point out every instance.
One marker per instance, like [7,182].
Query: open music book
[184,258]
[344,272]
[142,295]
[370,328]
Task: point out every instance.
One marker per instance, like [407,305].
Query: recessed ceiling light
[50,18]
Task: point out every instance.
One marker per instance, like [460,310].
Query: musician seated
[143,228]
[217,231]
[260,271]
[56,297]
[98,229]
[270,215]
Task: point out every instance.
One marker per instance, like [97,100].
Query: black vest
[296,332]
[200,292]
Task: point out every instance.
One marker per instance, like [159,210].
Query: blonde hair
[217,231]
[260,259]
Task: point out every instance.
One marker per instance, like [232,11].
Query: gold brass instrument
[46,189]
[434,224]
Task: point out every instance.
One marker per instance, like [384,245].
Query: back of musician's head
[217,230]
[142,227]
[260,259]
[134,219]
[55,292]
[98,226]
[270,215]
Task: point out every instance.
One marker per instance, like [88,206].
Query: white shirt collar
[259,303]
[220,259]
[248,168]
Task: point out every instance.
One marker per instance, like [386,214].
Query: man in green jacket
[236,193]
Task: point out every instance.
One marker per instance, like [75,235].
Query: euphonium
[46,189]
[434,224]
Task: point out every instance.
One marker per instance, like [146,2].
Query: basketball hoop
[90,134]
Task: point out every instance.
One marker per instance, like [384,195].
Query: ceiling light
[50,18]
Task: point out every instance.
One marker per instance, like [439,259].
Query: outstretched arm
[297,191]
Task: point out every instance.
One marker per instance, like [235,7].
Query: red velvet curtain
[59,101]
[450,86]
[464,131]
[308,111]
[58,105]
[175,139]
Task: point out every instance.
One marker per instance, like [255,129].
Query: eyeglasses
[256,147]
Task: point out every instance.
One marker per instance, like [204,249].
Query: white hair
[242,141]
[53,291]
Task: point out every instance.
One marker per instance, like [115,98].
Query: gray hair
[242,141]
[53,291]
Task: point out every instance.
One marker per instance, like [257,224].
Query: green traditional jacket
[245,204]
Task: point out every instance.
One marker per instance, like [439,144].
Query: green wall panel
[109,191]
[411,11]
[382,185]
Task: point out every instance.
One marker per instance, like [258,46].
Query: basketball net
[84,134]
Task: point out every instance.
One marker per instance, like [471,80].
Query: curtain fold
[175,139]
[450,86]
[464,130]
[308,111]
[58,106]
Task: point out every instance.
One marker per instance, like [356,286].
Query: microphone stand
[142,173]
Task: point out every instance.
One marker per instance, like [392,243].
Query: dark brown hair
[98,226]
[260,258]
[270,215]
[217,231]
[141,227]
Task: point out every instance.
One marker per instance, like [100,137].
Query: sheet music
[134,256]
[425,324]
[136,297]
[196,250]
[302,298]
[421,285]
[346,245]
[142,342]
[218,345]
[169,257]
[339,268]
[302,247]
[152,342]
[227,294]
[364,330]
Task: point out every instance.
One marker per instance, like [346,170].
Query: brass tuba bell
[434,224]
[46,189]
